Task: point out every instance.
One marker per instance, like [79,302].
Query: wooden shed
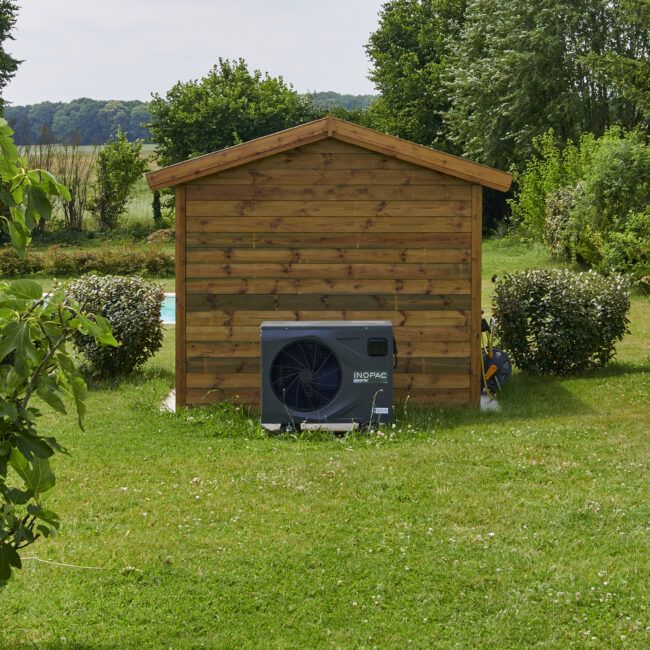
[328,220]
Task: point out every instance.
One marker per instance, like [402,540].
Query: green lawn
[528,527]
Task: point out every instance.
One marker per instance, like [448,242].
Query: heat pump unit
[326,374]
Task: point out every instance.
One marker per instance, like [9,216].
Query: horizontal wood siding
[251,396]
[329,231]
[351,223]
[319,287]
[360,240]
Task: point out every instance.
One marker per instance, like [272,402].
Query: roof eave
[297,136]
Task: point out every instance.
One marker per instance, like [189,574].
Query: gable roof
[328,127]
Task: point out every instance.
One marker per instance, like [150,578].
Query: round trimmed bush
[132,307]
[560,322]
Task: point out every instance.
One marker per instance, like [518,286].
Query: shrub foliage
[559,205]
[629,251]
[589,203]
[616,187]
[119,166]
[551,168]
[131,305]
[560,322]
[62,263]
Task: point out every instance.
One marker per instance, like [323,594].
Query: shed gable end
[316,131]
[328,230]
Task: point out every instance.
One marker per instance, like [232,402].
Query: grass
[527,527]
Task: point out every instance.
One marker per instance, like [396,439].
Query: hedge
[60,262]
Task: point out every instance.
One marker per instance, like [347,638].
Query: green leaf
[26,289]
[65,362]
[19,497]
[64,192]
[48,516]
[32,447]
[44,530]
[79,393]
[7,147]
[38,204]
[16,336]
[48,184]
[54,444]
[8,558]
[53,330]
[50,393]
[9,338]
[8,410]
[7,168]
[19,237]
[36,474]
[5,197]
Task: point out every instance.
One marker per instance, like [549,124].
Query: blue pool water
[168,309]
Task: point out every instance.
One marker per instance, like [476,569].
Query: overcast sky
[125,49]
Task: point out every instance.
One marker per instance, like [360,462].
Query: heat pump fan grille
[306,376]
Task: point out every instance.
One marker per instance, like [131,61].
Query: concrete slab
[169,403]
[488,403]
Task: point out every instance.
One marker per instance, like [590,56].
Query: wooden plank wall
[180,282]
[330,231]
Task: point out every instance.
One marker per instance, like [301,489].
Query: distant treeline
[82,121]
[330,99]
[92,121]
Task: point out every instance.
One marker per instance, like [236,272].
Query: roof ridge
[320,129]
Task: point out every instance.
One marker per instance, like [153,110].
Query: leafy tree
[128,116]
[119,165]
[114,115]
[8,65]
[483,79]
[522,68]
[138,120]
[227,106]
[78,122]
[30,123]
[626,68]
[410,53]
[361,116]
[89,121]
[34,362]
